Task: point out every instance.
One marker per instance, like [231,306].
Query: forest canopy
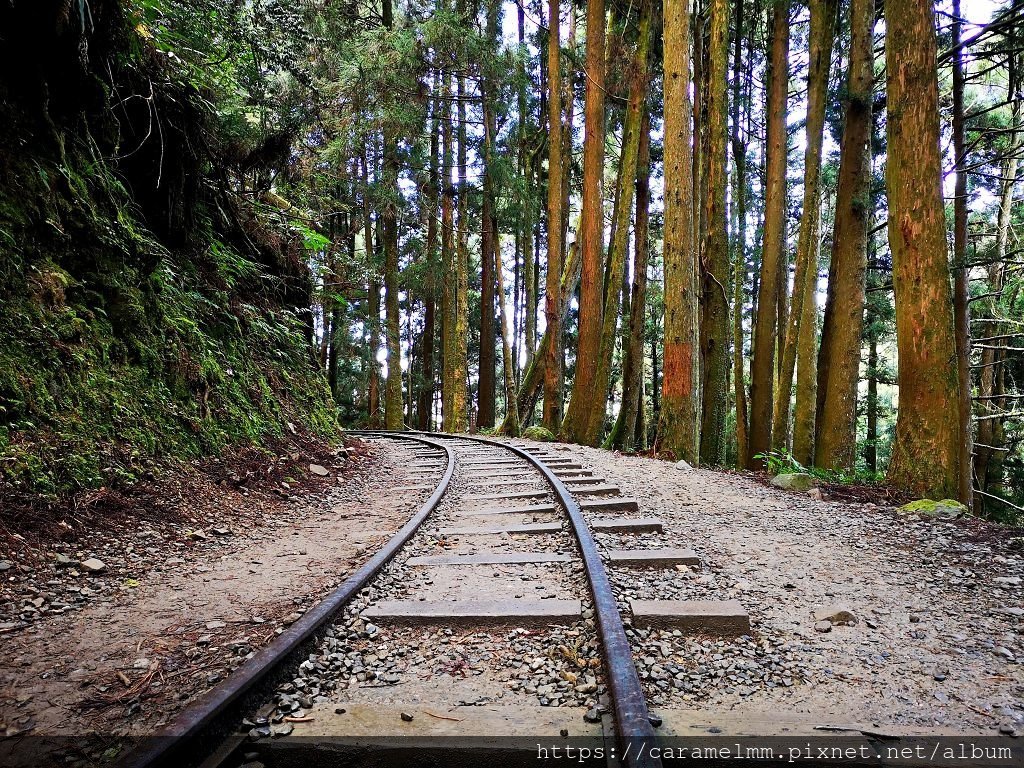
[764,234]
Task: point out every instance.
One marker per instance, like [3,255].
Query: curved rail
[632,718]
[196,721]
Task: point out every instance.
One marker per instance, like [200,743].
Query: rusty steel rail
[632,718]
[201,727]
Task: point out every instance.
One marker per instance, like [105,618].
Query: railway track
[489,614]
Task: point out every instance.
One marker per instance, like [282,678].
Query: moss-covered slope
[146,314]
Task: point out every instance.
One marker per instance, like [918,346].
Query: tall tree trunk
[389,227]
[425,399]
[807,362]
[487,386]
[925,453]
[823,15]
[774,241]
[617,249]
[839,355]
[715,303]
[372,300]
[529,213]
[739,154]
[552,300]
[871,407]
[460,363]
[680,394]
[453,342]
[623,434]
[961,313]
[576,427]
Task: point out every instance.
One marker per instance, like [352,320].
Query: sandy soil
[147,645]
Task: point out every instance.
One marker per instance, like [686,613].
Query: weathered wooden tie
[490,558]
[519,612]
[627,525]
[653,558]
[713,617]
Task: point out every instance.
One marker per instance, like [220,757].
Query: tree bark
[623,434]
[715,303]
[680,395]
[925,454]
[425,401]
[774,241]
[372,300]
[839,355]
[576,427]
[739,153]
[823,15]
[619,244]
[552,300]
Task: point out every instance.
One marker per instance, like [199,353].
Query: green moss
[945,509]
[119,354]
[538,433]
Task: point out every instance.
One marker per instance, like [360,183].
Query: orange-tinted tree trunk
[925,453]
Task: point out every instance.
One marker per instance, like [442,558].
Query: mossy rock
[794,481]
[539,433]
[947,509]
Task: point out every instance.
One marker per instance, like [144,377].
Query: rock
[1010,581]
[654,720]
[94,565]
[1005,652]
[5,565]
[1007,729]
[284,729]
[823,626]
[221,531]
[63,561]
[211,625]
[538,433]
[317,469]
[835,615]
[816,494]
[592,716]
[406,717]
[142,663]
[928,509]
[291,618]
[683,465]
[794,481]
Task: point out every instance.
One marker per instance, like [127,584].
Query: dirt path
[147,644]
[938,638]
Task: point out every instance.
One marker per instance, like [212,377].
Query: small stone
[835,615]
[291,618]
[1007,729]
[94,565]
[794,481]
[816,494]
[683,465]
[284,729]
[1010,581]
[5,565]
[221,531]
[140,664]
[823,626]
[655,720]
[564,733]
[261,732]
[211,625]
[1006,653]
[592,716]
[406,717]
[317,469]
[339,710]
[62,561]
